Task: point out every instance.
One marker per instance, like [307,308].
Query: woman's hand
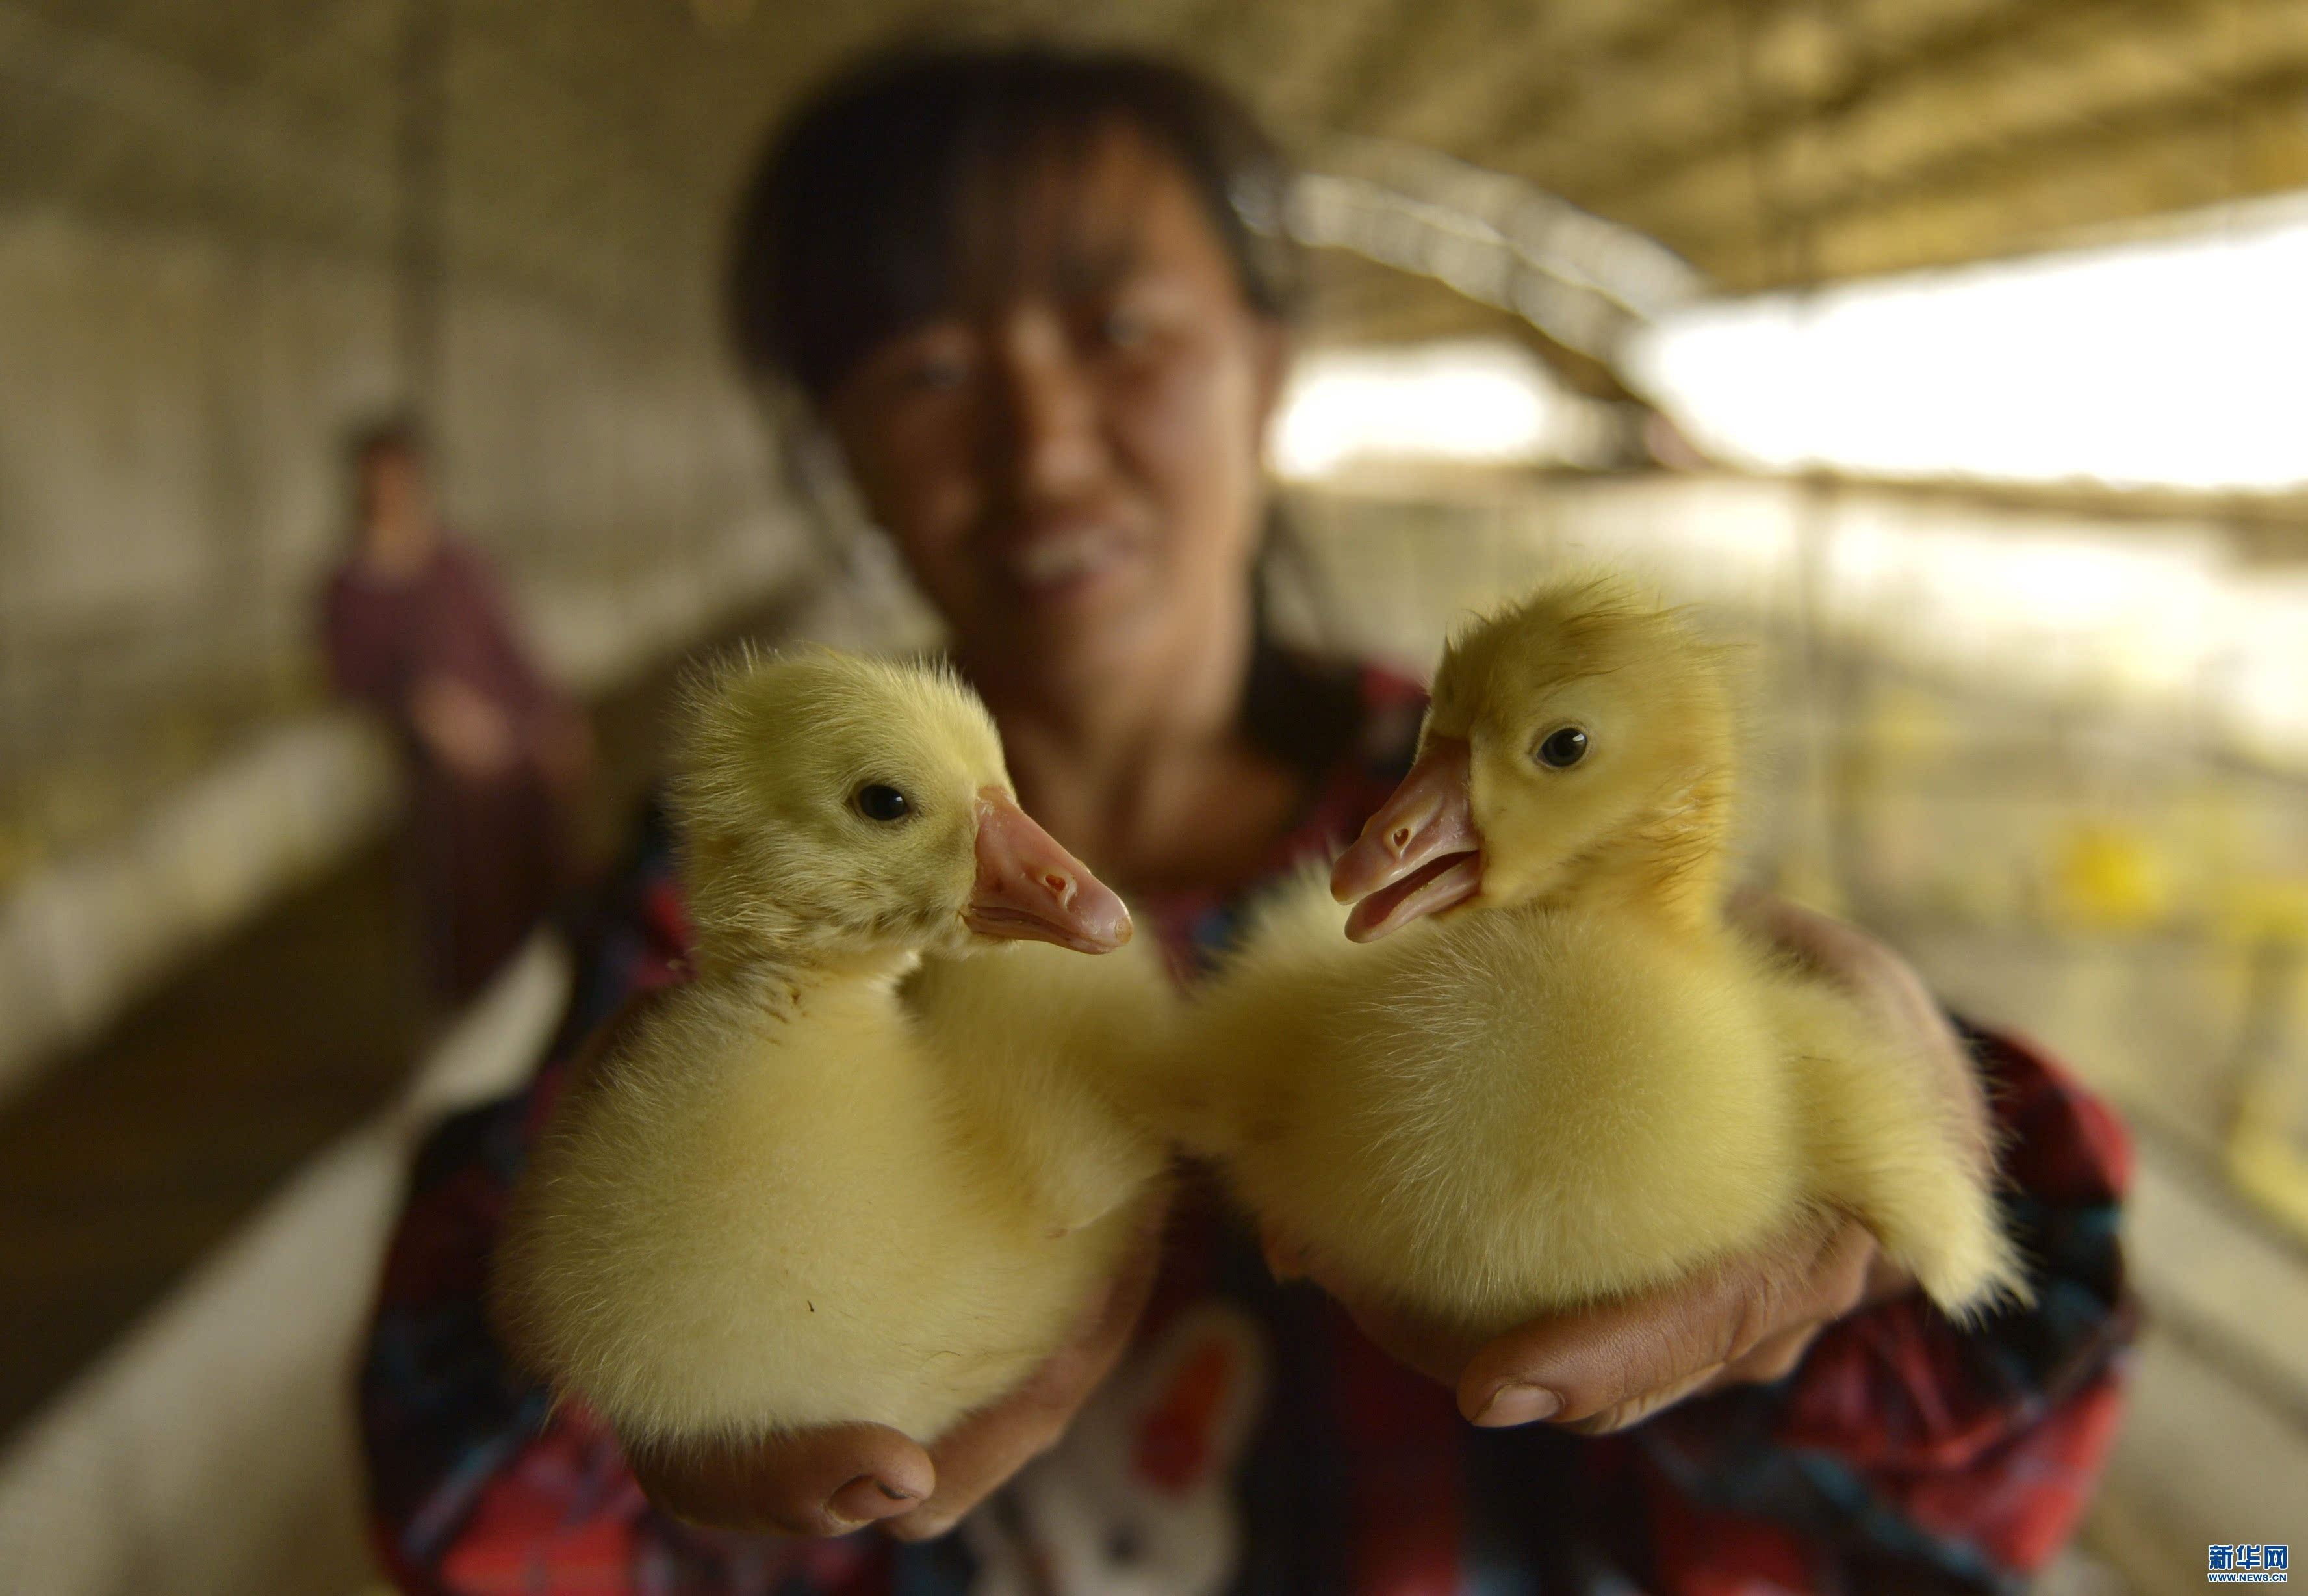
[831,1482]
[462,728]
[1606,1365]
[840,1478]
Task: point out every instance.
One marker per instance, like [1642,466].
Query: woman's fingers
[835,1479]
[1606,1366]
[1752,1321]
[824,1481]
[462,728]
[832,1481]
[979,1455]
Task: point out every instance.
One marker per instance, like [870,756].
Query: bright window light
[2178,361]
[1475,402]
[2158,616]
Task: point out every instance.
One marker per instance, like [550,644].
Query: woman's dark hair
[397,432]
[859,222]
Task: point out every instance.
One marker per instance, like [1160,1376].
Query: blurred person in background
[417,629]
[1035,299]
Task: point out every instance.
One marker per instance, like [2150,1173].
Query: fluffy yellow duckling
[851,1172]
[1579,1082]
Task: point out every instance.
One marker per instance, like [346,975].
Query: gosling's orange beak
[1419,854]
[1027,886]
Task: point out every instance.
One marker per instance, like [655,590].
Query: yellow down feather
[867,1165]
[1582,1081]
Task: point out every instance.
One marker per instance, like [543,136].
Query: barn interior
[1949,352]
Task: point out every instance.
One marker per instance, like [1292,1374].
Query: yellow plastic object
[2111,878]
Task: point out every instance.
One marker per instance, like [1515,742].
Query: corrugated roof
[1768,142]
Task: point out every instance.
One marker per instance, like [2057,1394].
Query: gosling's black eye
[876,801]
[1562,748]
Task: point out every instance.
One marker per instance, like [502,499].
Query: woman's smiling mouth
[1060,560]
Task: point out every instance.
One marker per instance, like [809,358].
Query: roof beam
[2019,186]
[1540,95]
[1964,48]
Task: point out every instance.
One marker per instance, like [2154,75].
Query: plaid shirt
[1903,1453]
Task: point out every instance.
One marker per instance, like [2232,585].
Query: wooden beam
[1389,36]
[1541,92]
[1978,203]
[2213,107]
[1966,47]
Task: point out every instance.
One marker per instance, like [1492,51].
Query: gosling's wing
[1884,1145]
[1249,1042]
[1044,1053]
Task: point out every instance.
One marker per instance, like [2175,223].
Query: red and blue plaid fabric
[1906,1453]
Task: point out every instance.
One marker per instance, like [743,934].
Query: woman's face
[396,506]
[1071,463]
